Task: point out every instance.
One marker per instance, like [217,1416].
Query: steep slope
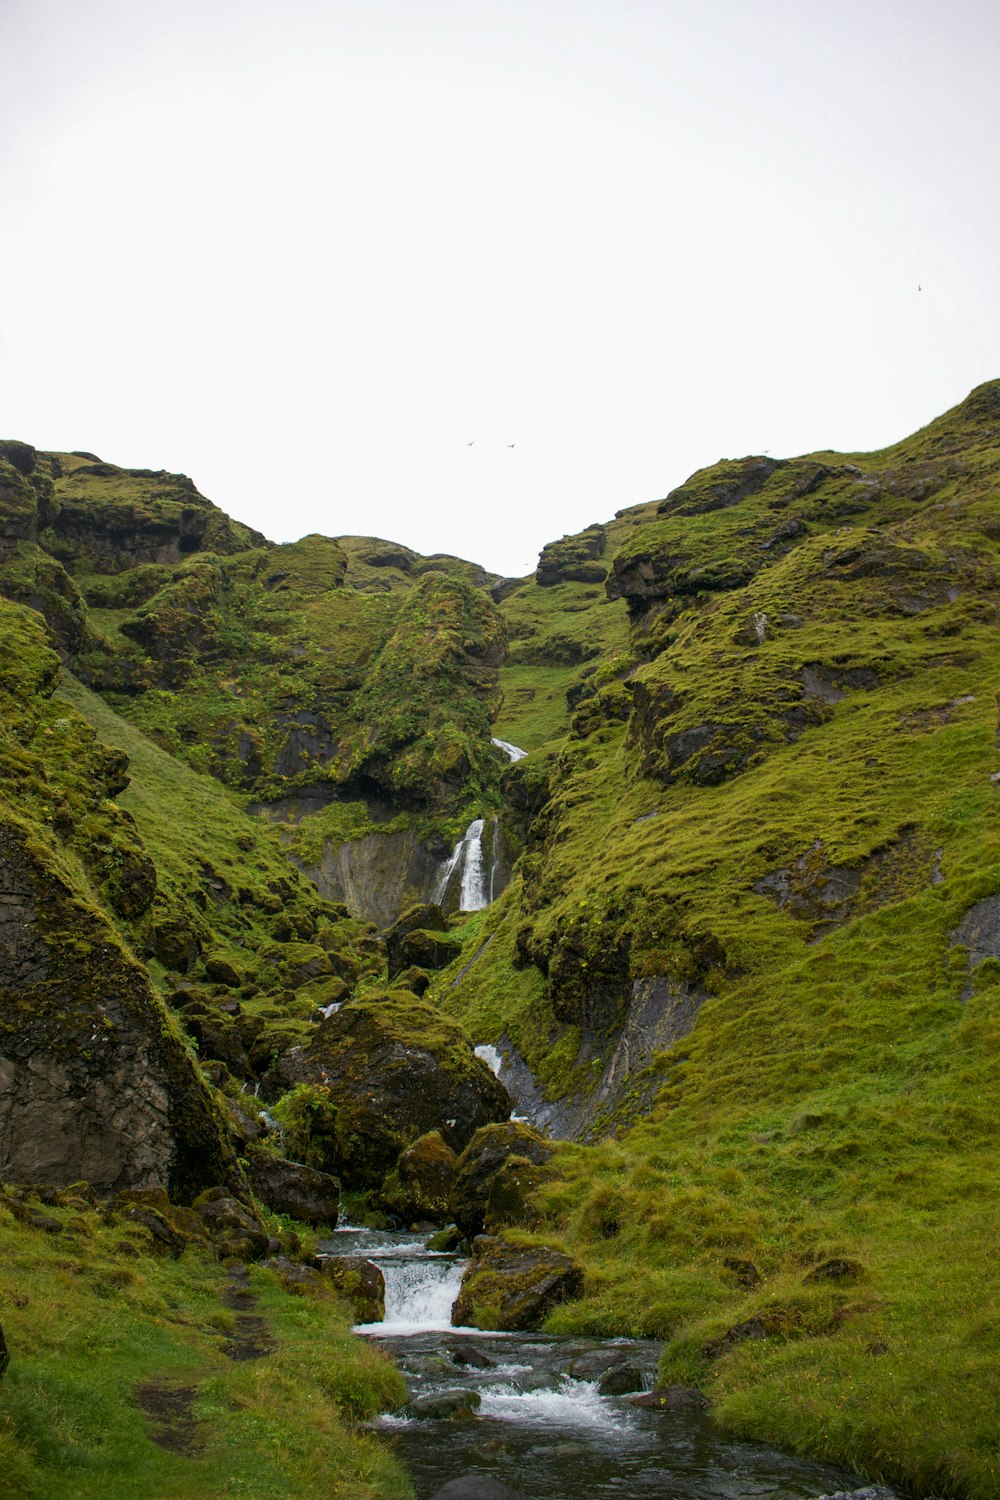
[757,914]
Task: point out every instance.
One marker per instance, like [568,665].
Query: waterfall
[476,884]
[420,1293]
[490,1056]
[512,752]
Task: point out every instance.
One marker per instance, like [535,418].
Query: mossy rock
[420,1186]
[358,1281]
[393,1069]
[511,1287]
[495,1175]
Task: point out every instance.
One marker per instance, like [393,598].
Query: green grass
[88,1318]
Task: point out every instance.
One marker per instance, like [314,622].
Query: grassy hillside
[789,821]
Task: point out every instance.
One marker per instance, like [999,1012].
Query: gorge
[318,860]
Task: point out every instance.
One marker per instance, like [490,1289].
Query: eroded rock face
[394,1069]
[93,1082]
[511,1287]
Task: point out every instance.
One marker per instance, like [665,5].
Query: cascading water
[467,865]
[512,752]
[540,1407]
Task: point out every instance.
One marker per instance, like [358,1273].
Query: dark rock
[420,1187]
[393,1069]
[358,1280]
[447,1240]
[493,1175]
[597,1362]
[427,917]
[672,1398]
[428,950]
[221,971]
[476,1487]
[295,1277]
[444,1404]
[746,1273]
[288,1187]
[93,1082]
[4,1353]
[573,559]
[234,1229]
[510,1287]
[622,1380]
[467,1354]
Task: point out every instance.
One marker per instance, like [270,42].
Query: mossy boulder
[288,1187]
[421,1184]
[233,1228]
[495,1174]
[358,1281]
[510,1287]
[425,916]
[422,949]
[94,1082]
[393,1069]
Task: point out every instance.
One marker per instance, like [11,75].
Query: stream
[542,1426]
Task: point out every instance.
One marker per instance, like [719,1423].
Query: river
[542,1425]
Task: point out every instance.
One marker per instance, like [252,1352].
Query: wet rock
[597,1362]
[621,1380]
[358,1280]
[447,1240]
[477,1487]
[494,1175]
[288,1187]
[420,1187]
[444,1404]
[393,1069]
[511,1287]
[672,1398]
[467,1354]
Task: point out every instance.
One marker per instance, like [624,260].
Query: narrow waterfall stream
[542,1425]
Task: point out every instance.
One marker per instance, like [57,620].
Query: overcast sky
[332,258]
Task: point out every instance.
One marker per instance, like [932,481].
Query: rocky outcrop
[420,1187]
[94,1083]
[511,1287]
[573,559]
[494,1175]
[288,1187]
[393,1069]
[359,1281]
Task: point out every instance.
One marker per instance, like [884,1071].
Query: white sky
[307,251]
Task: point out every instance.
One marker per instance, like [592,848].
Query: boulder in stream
[495,1175]
[439,1404]
[511,1287]
[477,1487]
[393,1068]
[420,1186]
[358,1280]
